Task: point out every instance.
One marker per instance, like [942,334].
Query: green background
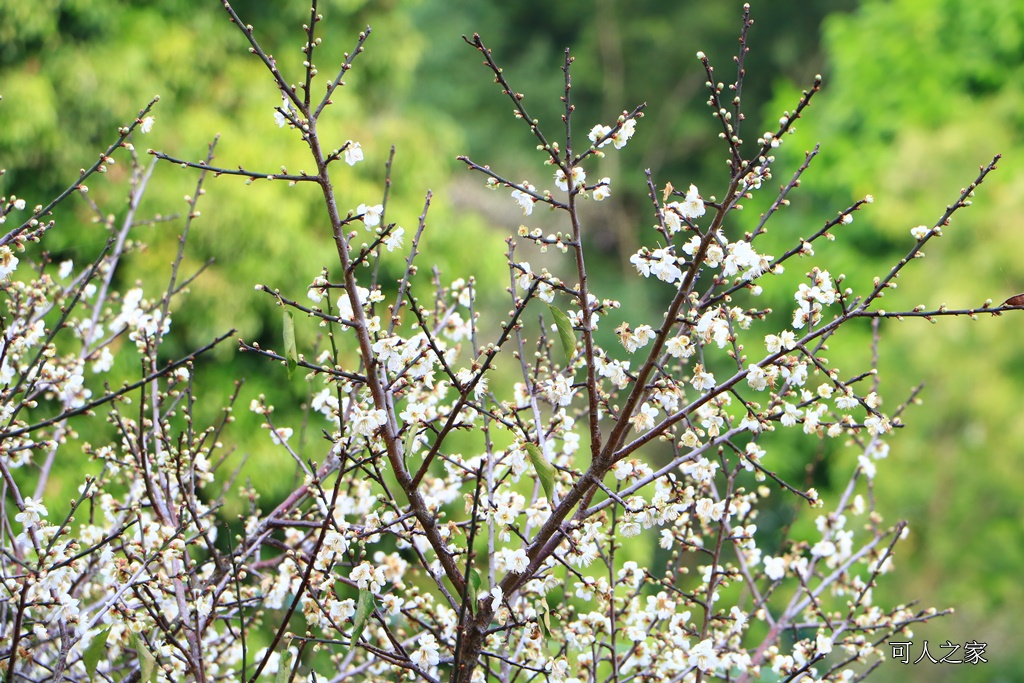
[917,95]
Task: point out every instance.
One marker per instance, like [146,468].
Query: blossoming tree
[457,525]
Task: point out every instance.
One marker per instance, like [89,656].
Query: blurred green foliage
[83,69]
[918,93]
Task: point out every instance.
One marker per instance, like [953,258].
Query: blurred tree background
[917,94]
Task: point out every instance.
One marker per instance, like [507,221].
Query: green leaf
[565,333]
[92,655]
[147,662]
[473,589]
[364,608]
[545,471]
[544,620]
[410,440]
[291,353]
[284,668]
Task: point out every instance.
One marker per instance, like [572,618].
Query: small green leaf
[565,333]
[473,589]
[545,470]
[544,620]
[284,668]
[364,608]
[409,442]
[94,653]
[291,353]
[147,662]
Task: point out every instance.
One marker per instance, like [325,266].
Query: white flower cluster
[812,299]
[733,258]
[691,208]
[601,135]
[526,195]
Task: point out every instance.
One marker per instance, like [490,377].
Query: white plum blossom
[629,529]
[824,548]
[525,199]
[104,362]
[714,254]
[619,138]
[368,577]
[281,435]
[341,610]
[614,370]
[624,133]
[366,422]
[877,424]
[317,290]
[392,604]
[645,418]
[148,326]
[774,567]
[642,262]
[147,124]
[579,178]
[496,597]
[776,342]
[690,208]
[702,656]
[395,238]
[742,256]
[558,390]
[8,262]
[679,347]
[603,190]
[279,118]
[353,153]
[757,378]
[526,276]
[623,468]
[345,303]
[517,560]
[714,326]
[692,205]
[790,415]
[709,511]
[370,214]
[32,512]
[660,262]
[672,216]
[598,132]
[812,299]
[702,379]
[754,453]
[702,470]
[336,543]
[427,655]
[664,266]
[634,339]
[456,327]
